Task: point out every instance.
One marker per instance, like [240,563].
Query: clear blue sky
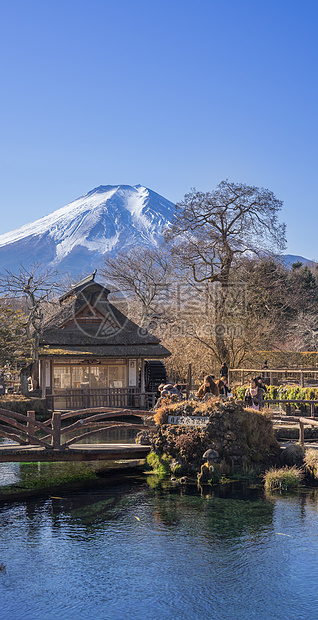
[171,94]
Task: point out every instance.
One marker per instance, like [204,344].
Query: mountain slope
[289,259]
[75,237]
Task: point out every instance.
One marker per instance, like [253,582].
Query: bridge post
[30,424]
[56,428]
[301,433]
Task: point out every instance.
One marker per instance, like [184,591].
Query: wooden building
[92,355]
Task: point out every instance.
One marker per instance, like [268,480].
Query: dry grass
[283,479]
[311,462]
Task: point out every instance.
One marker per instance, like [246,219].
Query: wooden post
[301,433]
[242,377]
[271,378]
[189,380]
[142,384]
[302,379]
[312,409]
[56,427]
[30,424]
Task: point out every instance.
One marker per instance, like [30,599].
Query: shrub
[283,479]
[311,462]
[189,444]
[161,416]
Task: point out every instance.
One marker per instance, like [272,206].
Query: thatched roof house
[89,345]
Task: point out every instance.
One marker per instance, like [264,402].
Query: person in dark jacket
[224,371]
[261,384]
[224,389]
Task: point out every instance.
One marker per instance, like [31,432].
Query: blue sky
[171,94]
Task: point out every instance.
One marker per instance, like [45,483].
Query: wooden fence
[311,405]
[300,377]
[100,397]
[298,420]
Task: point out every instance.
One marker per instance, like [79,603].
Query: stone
[211,455]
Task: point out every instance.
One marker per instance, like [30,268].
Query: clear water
[136,550]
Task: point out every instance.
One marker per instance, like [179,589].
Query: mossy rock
[243,438]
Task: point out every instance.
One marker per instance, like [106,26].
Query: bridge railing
[22,428]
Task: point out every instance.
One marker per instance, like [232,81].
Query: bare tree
[141,273]
[212,231]
[37,287]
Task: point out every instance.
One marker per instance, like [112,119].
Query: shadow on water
[140,547]
[222,512]
[33,478]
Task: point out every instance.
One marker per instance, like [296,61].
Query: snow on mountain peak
[107,218]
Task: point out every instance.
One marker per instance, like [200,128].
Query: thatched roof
[86,321]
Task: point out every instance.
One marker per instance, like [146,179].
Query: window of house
[62,377]
[87,376]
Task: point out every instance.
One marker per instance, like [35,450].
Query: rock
[293,454]
[144,438]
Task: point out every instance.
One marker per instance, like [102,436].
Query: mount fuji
[74,238]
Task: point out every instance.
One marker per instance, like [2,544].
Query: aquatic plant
[158,464]
[283,479]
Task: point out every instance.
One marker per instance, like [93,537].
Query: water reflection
[131,550]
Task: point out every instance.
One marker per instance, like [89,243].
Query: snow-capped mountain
[75,238]
[289,259]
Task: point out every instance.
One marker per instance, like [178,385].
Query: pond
[137,548]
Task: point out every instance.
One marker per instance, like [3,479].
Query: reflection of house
[90,352]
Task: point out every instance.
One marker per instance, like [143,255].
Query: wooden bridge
[50,446]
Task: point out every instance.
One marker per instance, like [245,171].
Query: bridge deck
[76,452]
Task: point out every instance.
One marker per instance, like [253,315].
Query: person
[265,367]
[172,390]
[166,391]
[261,384]
[159,389]
[224,371]
[208,387]
[224,389]
[254,395]
[177,387]
[163,394]
[2,385]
